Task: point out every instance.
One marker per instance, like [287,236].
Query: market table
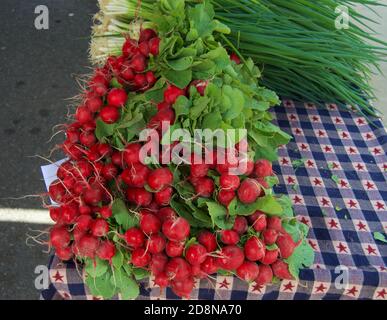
[334,170]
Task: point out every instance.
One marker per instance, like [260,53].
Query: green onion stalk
[297,44]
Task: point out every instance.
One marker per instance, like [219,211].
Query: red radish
[100,89]
[225,197]
[286,245]
[56,191]
[84,222]
[84,168]
[208,239]
[166,213]
[176,230]
[117,159]
[87,246]
[117,97]
[140,257]
[87,138]
[104,150]
[72,135]
[270,256]
[197,272]
[199,170]
[254,249]
[275,223]
[240,225]
[172,93]
[92,196]
[127,72]
[94,104]
[155,243]
[55,213]
[183,288]
[139,196]
[200,86]
[138,63]
[109,171]
[163,198]
[140,80]
[229,237]
[263,168]
[146,35]
[154,45]
[234,57]
[177,269]
[229,182]
[163,105]
[64,254]
[106,212]
[231,258]
[136,175]
[106,250]
[74,151]
[265,275]
[161,280]
[59,237]
[246,167]
[69,213]
[249,191]
[248,271]
[260,222]
[158,263]
[205,187]
[143,48]
[281,270]
[109,114]
[149,224]
[84,210]
[150,78]
[99,228]
[78,233]
[209,266]
[196,254]
[129,48]
[160,178]
[89,126]
[174,249]
[269,236]
[132,153]
[83,115]
[68,182]
[134,237]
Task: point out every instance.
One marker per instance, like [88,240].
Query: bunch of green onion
[296,43]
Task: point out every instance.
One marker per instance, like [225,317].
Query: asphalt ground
[38,72]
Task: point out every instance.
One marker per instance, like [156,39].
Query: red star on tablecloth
[58,277]
[321,133]
[343,184]
[321,288]
[335,165]
[224,284]
[338,120]
[297,199]
[96,298]
[315,119]
[382,268]
[361,226]
[342,248]
[289,287]
[376,151]
[333,224]
[310,163]
[297,131]
[327,149]
[292,117]
[288,103]
[382,294]
[291,180]
[317,182]
[385,167]
[352,203]
[304,146]
[379,205]
[352,291]
[304,220]
[313,245]
[325,202]
[371,250]
[344,135]
[310,105]
[351,150]
[359,166]
[257,287]
[332,106]
[360,121]
[369,185]
[284,161]
[368,136]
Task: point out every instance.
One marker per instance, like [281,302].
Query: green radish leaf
[122,215]
[180,79]
[96,268]
[380,236]
[131,290]
[303,256]
[115,84]
[185,213]
[103,130]
[219,216]
[287,205]
[182,106]
[156,94]
[101,286]
[119,278]
[180,64]
[140,273]
[118,259]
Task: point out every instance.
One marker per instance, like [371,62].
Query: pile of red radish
[96,174]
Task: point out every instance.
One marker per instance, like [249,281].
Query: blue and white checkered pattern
[334,171]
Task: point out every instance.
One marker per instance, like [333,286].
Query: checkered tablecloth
[335,172]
